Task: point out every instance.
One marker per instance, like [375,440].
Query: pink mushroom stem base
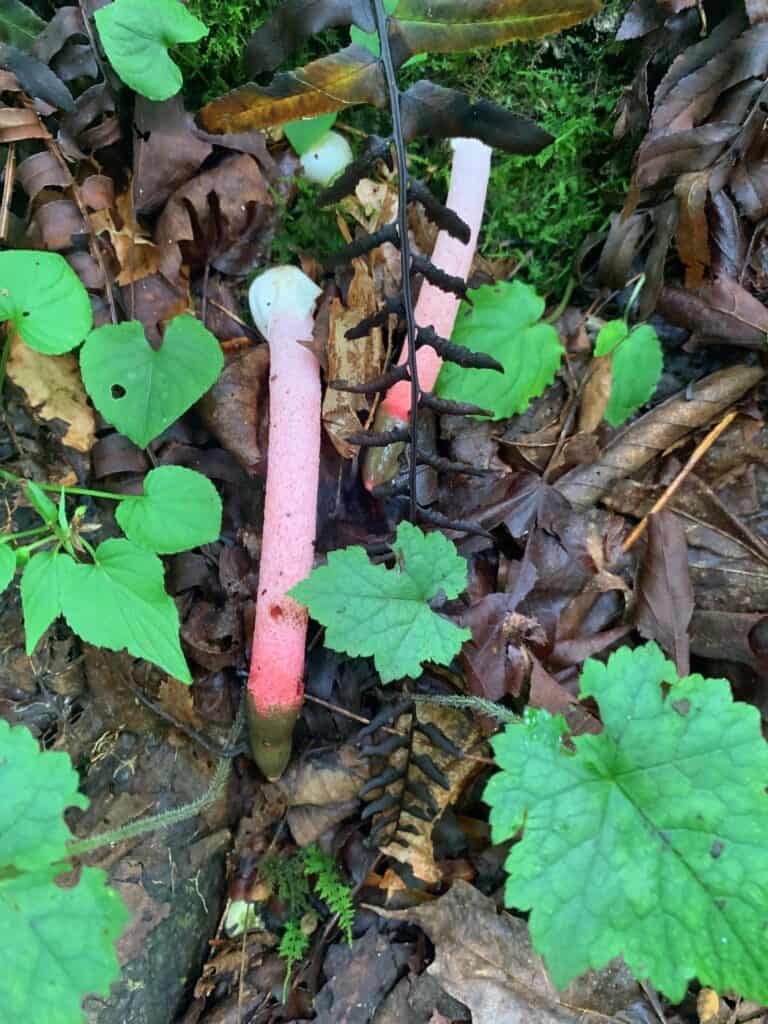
[275,681]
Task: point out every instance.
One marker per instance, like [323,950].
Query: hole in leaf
[117,391]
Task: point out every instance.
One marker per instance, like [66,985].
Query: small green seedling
[636,363]
[136,35]
[647,841]
[370,611]
[112,595]
[60,940]
[297,878]
[504,321]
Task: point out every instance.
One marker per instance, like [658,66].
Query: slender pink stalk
[276,678]
[470,172]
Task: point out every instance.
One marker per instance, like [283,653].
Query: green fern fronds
[293,947]
[331,888]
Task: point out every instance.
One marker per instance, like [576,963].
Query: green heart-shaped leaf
[43,298]
[41,594]
[136,35]
[142,390]
[7,565]
[180,509]
[119,601]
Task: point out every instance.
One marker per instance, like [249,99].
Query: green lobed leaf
[44,300]
[136,35]
[7,566]
[648,841]
[120,602]
[180,509]
[306,133]
[142,390]
[636,366]
[19,25]
[370,611]
[41,592]
[60,944]
[504,321]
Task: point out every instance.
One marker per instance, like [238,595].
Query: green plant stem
[14,479]
[25,533]
[39,543]
[167,818]
[4,354]
[562,305]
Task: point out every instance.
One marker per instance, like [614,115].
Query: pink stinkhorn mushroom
[282,303]
[470,172]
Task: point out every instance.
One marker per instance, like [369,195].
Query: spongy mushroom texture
[285,290]
[327,159]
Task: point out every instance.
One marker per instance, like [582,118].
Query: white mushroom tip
[326,159]
[281,290]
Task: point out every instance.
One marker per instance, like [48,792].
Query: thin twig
[5,203]
[382,22]
[699,452]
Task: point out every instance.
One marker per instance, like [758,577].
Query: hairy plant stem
[167,818]
[382,23]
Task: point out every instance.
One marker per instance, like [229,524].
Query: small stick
[5,203]
[699,452]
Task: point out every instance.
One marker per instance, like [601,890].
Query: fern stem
[382,23]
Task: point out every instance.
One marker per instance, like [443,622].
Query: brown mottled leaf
[331,83]
[722,311]
[167,152]
[42,170]
[692,192]
[442,26]
[433,111]
[664,591]
[295,21]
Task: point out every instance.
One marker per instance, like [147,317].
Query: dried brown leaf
[664,591]
[55,392]
[656,431]
[692,192]
[486,961]
[331,83]
[354,361]
[464,730]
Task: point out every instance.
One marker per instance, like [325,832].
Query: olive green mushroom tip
[271,737]
[281,291]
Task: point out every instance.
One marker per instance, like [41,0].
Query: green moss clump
[215,64]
